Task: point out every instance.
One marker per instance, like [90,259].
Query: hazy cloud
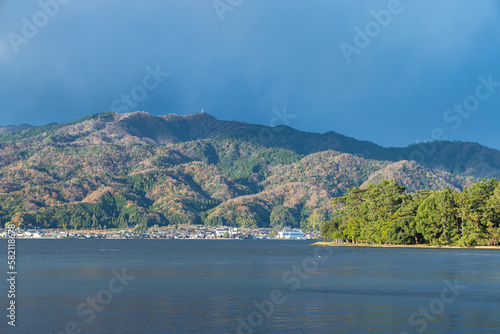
[264,55]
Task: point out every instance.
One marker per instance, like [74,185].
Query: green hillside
[136,169]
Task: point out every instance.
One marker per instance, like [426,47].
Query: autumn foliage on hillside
[138,170]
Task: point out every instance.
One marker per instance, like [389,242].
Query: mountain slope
[14,128]
[142,128]
[138,169]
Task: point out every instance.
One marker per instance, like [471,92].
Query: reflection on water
[199,286]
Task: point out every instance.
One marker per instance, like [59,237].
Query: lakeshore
[337,244]
[200,286]
[184,232]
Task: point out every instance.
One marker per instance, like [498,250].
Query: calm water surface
[245,286]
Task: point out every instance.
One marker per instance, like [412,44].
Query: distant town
[188,232]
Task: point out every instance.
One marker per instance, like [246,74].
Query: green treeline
[112,211]
[385,213]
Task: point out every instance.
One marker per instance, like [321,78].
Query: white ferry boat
[291,234]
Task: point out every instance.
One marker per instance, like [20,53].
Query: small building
[290,234]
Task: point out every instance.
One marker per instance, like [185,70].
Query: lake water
[249,286]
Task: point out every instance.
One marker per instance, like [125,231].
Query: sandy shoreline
[334,244]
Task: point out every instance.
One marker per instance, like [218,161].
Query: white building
[291,234]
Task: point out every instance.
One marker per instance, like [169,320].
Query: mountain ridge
[144,128]
[138,169]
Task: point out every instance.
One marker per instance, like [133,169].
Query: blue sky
[397,83]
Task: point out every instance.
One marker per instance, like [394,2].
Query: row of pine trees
[385,214]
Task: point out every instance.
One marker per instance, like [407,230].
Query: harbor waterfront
[263,286]
[185,232]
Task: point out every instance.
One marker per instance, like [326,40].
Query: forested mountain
[115,169]
[14,128]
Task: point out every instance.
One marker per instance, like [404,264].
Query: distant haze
[339,65]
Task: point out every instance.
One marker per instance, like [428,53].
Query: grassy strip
[335,244]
